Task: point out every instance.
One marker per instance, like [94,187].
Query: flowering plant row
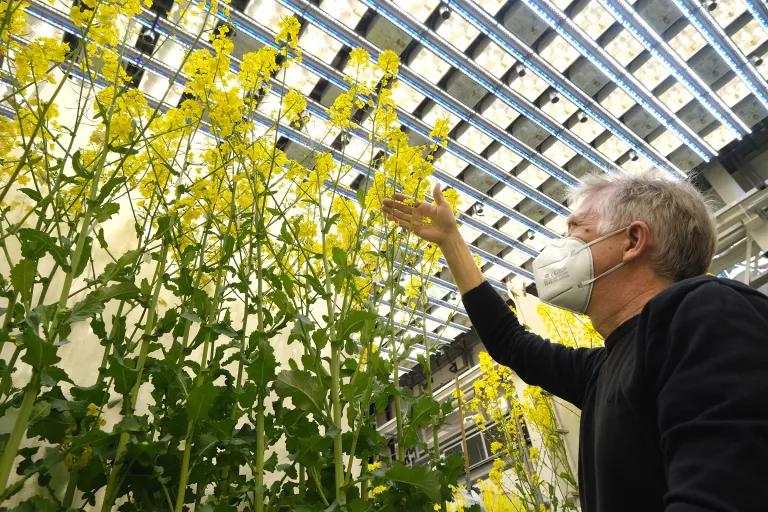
[524,425]
[183,240]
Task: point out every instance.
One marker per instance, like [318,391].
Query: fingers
[389,205]
[404,220]
[437,193]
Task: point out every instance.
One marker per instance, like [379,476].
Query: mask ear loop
[609,271]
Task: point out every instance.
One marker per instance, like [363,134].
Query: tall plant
[189,244]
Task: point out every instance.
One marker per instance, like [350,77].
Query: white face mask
[564,272]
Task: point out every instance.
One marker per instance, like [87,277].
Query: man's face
[583,224]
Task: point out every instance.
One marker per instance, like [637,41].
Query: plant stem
[122,444]
[398,415]
[260,456]
[69,493]
[184,471]
[19,429]
[338,460]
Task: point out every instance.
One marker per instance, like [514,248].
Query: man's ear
[638,241]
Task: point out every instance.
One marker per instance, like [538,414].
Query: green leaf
[85,257]
[32,194]
[305,390]
[104,212]
[23,278]
[124,150]
[201,399]
[124,376]
[39,354]
[339,257]
[52,375]
[94,302]
[35,504]
[131,423]
[423,410]
[354,321]
[420,478]
[261,368]
[118,269]
[106,189]
[77,165]
[96,394]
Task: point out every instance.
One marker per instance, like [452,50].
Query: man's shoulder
[705,289]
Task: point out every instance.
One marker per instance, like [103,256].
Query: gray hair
[682,225]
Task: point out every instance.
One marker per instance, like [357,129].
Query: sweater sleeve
[712,401]
[561,370]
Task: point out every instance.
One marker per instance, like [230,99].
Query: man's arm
[712,401]
[561,370]
[558,369]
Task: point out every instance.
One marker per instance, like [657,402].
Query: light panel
[348,12]
[429,65]
[593,19]
[560,54]
[687,42]
[574,35]
[458,32]
[495,59]
[750,37]
[505,159]
[725,47]
[474,139]
[560,153]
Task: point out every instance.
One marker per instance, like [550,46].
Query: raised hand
[433,222]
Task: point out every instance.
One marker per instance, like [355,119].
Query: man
[675,407]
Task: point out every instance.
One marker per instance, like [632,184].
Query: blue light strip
[487,25]
[725,47]
[636,25]
[429,39]
[759,10]
[348,37]
[572,33]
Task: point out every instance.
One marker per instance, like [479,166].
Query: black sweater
[674,408]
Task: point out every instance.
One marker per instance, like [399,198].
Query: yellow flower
[389,63]
[440,130]
[453,198]
[289,31]
[378,490]
[16,25]
[35,61]
[374,466]
[437,507]
[340,111]
[497,473]
[496,446]
[294,104]
[359,57]
[93,410]
[257,68]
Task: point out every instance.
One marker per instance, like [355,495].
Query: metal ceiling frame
[445,50]
[486,24]
[716,37]
[630,19]
[348,37]
[625,80]
[759,11]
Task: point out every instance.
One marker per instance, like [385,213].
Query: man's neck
[625,306]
